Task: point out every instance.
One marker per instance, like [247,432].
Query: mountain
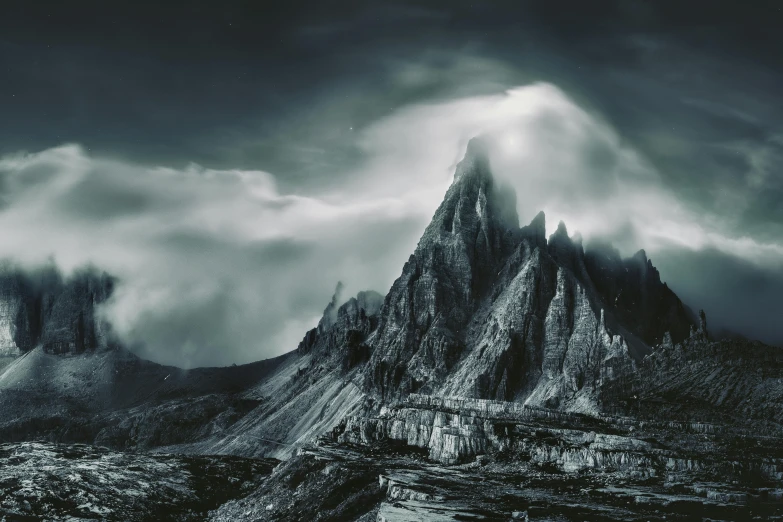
[505,375]
[483,309]
[486,309]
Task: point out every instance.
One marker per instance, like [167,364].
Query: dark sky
[170,109]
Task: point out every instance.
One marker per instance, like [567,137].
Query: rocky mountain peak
[538,224]
[339,338]
[330,312]
[565,250]
[488,310]
[370,301]
[640,256]
[632,290]
[475,163]
[475,198]
[700,332]
[536,231]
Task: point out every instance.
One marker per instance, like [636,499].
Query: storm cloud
[219,266]
[229,167]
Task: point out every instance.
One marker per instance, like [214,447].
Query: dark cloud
[327,134]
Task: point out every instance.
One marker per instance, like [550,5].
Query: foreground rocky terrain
[506,375]
[389,482]
[77,482]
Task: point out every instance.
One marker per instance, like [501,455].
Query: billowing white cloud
[215,267]
[218,267]
[559,158]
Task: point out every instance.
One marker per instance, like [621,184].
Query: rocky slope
[731,382]
[113,398]
[391,483]
[312,391]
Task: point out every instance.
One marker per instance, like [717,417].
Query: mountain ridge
[483,309]
[484,300]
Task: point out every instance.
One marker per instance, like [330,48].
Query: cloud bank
[221,266]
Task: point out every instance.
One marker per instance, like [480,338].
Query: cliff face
[452,269]
[340,336]
[633,291]
[488,310]
[454,431]
[42,308]
[13,294]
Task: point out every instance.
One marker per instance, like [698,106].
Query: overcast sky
[230,163]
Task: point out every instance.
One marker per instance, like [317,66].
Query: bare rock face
[42,308]
[485,309]
[70,324]
[729,381]
[420,336]
[342,331]
[633,291]
[12,301]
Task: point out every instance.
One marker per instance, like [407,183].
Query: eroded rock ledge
[455,431]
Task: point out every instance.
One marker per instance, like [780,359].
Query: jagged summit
[341,332]
[641,255]
[330,312]
[475,162]
[538,224]
[633,289]
[488,310]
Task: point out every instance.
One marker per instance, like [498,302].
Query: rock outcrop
[42,308]
[341,333]
[313,389]
[454,431]
[13,302]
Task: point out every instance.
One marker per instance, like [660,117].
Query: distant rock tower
[700,333]
[702,323]
[667,342]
